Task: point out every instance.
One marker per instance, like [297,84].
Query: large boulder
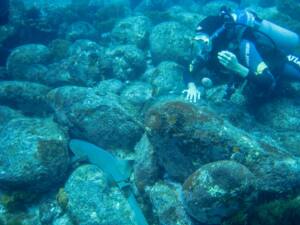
[153,5]
[101,120]
[34,154]
[81,30]
[289,140]
[166,78]
[184,17]
[218,190]
[7,114]
[125,62]
[170,41]
[281,114]
[137,94]
[133,30]
[213,7]
[146,169]
[91,200]
[52,210]
[28,97]
[186,137]
[82,67]
[167,204]
[27,62]
[277,172]
[110,86]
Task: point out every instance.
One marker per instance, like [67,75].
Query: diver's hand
[192,93]
[230,62]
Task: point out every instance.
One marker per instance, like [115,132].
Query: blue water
[194,105]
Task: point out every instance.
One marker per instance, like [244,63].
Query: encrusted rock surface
[34,154]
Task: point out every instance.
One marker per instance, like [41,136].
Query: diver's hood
[210,24]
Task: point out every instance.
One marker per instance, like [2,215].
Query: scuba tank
[283,38]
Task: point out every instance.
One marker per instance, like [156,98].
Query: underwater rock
[167,204]
[92,200]
[62,73]
[85,58]
[137,93]
[281,114]
[213,7]
[218,190]
[146,169]
[154,5]
[166,78]
[81,68]
[126,62]
[29,98]
[107,16]
[186,18]
[59,49]
[289,141]
[276,173]
[280,211]
[29,217]
[186,136]
[7,114]
[101,120]
[133,30]
[63,220]
[51,209]
[81,30]
[170,41]
[110,86]
[27,62]
[85,47]
[34,154]
[216,94]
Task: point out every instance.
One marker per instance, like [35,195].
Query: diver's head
[205,33]
[202,44]
[202,41]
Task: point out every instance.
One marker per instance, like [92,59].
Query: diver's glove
[192,93]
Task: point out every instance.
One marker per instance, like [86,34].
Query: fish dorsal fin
[126,166]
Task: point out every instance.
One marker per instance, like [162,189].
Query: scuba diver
[245,48]
[4,12]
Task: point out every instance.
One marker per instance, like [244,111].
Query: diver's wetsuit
[4,12]
[266,63]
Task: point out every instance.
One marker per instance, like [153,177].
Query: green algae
[62,199]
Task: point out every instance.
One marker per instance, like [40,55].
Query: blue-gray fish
[119,170]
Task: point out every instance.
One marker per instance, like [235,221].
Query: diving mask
[202,44]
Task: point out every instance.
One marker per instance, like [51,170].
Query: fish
[119,170]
